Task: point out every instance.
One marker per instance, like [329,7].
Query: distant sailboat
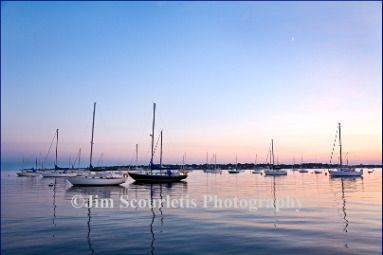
[157,173]
[215,169]
[96,179]
[257,170]
[58,172]
[274,170]
[29,172]
[343,171]
[294,169]
[234,170]
[302,170]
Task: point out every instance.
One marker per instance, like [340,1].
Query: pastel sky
[227,78]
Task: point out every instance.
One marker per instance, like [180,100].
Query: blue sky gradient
[227,77]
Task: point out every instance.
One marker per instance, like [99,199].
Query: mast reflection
[154,216]
[274,202]
[344,207]
[104,192]
[54,205]
[343,182]
[156,193]
[88,237]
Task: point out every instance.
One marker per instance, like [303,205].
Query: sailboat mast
[161,151]
[136,156]
[340,145]
[272,149]
[215,161]
[57,142]
[91,143]
[154,120]
[79,158]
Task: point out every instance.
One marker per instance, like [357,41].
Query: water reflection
[274,201]
[54,205]
[171,188]
[344,207]
[104,192]
[88,237]
[157,193]
[344,211]
[347,185]
[154,215]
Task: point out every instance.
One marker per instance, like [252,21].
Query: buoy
[325,173]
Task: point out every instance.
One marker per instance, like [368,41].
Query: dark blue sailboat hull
[156,178]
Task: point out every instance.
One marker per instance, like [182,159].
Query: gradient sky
[227,78]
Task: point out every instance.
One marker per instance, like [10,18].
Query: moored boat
[343,171]
[157,173]
[28,173]
[96,179]
[58,172]
[234,170]
[274,170]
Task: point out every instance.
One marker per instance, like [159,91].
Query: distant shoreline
[225,166]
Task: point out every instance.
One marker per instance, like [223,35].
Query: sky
[227,77]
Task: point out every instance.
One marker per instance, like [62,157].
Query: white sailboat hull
[26,174]
[95,181]
[345,173]
[58,174]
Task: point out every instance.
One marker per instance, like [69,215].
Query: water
[336,216]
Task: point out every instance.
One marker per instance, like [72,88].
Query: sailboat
[293,168]
[214,170]
[274,170]
[58,172]
[234,170]
[28,172]
[257,170]
[96,179]
[302,170]
[343,170]
[157,173]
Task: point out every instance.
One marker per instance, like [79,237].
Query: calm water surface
[301,213]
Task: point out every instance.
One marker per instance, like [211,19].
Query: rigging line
[131,161]
[103,124]
[168,136]
[335,139]
[155,147]
[100,160]
[46,157]
[146,127]
[77,157]
[85,131]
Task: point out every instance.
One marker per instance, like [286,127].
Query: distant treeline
[240,166]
